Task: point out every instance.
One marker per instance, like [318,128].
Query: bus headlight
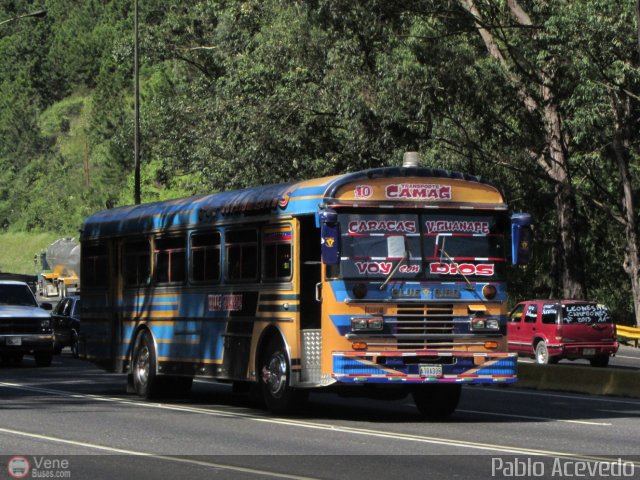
[367,323]
[484,324]
[359,291]
[489,291]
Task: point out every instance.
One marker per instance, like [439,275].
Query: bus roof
[300,198]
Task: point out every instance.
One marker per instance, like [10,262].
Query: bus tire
[143,366]
[275,380]
[436,401]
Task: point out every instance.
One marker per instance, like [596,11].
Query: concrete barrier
[580,379]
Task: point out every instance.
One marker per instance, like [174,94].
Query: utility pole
[136,128]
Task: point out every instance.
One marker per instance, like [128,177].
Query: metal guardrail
[632,333]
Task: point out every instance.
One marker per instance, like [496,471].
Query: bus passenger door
[310,267]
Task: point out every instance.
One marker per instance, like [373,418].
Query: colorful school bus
[380,283]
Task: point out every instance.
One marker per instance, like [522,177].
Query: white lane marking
[624,356]
[328,427]
[153,455]
[528,417]
[558,395]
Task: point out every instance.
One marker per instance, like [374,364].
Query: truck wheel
[43,359]
[275,380]
[436,402]
[542,353]
[143,366]
[600,361]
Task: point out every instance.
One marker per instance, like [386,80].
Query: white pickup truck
[25,326]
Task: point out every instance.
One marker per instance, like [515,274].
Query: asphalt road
[80,420]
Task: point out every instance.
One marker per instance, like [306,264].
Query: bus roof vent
[411,159]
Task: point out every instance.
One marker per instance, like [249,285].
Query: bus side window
[241,247]
[276,248]
[205,257]
[170,260]
[95,265]
[136,259]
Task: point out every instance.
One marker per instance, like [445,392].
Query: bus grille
[428,326]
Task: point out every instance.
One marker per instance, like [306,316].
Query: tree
[533,73]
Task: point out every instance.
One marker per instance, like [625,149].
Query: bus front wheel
[436,402]
[143,366]
[275,378]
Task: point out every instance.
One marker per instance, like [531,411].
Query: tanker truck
[61,266]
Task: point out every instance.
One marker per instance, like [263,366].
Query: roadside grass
[17,250]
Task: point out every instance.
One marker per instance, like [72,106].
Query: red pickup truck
[550,330]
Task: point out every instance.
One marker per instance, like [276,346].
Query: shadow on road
[27,386]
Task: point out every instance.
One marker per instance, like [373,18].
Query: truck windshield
[17,295]
[585,313]
[434,246]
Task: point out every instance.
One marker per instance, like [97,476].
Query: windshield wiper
[451,260]
[407,255]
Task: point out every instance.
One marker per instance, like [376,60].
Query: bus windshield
[433,246]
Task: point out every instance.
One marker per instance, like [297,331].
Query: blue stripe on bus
[148,308]
[210,343]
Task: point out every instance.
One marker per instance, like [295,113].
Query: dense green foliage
[19,248]
[237,93]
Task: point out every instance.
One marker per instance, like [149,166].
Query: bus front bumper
[426,366]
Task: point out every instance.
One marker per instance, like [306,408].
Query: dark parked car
[66,324]
[25,327]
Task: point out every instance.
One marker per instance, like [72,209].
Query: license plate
[588,351]
[14,341]
[430,371]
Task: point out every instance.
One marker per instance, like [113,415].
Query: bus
[383,283]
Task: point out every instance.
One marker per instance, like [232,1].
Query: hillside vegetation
[542,97]
[18,248]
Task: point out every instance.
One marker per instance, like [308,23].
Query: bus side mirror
[330,238]
[520,238]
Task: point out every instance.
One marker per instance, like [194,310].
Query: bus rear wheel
[275,380]
[436,402]
[143,366]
